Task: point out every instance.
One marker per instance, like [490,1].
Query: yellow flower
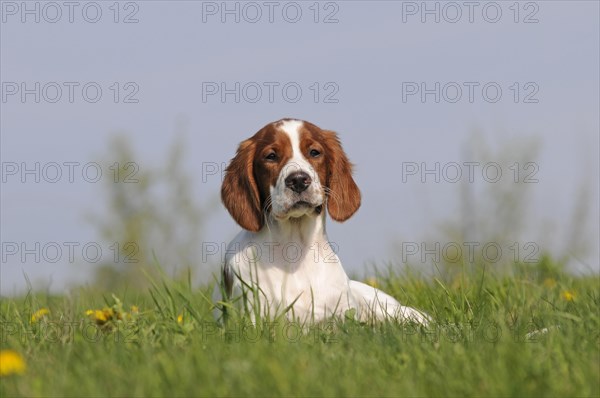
[39,314]
[568,295]
[180,319]
[101,316]
[135,309]
[11,362]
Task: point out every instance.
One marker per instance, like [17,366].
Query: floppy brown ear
[239,191]
[343,193]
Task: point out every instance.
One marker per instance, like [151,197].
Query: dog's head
[289,169]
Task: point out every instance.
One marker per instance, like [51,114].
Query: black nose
[298,181]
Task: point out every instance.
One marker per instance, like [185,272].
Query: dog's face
[289,169]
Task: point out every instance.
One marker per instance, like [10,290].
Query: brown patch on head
[312,143]
[254,169]
[274,149]
[334,170]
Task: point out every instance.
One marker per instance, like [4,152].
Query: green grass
[477,346]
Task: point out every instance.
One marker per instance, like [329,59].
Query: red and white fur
[277,188]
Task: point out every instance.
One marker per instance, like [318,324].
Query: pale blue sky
[367,55]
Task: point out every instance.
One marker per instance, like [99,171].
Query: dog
[278,188]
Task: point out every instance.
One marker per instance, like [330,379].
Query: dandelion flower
[39,314]
[180,319]
[101,316]
[568,295]
[11,362]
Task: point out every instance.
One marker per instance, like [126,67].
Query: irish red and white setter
[278,188]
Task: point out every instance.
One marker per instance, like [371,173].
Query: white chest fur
[301,275]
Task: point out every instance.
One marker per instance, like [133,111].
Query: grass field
[532,332]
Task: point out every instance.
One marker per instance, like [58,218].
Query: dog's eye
[272,156]
[314,153]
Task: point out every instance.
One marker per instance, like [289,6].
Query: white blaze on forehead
[298,162]
[292,129]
